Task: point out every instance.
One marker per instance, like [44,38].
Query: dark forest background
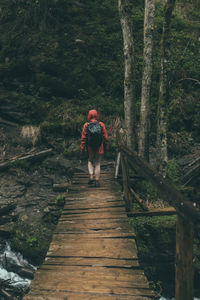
[60,58]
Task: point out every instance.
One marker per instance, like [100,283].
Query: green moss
[23,164]
[31,240]
[60,200]
[172,171]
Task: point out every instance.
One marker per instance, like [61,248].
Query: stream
[15,273]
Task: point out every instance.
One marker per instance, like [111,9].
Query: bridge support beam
[126,184]
[184,259]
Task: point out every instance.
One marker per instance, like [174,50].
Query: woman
[95,154]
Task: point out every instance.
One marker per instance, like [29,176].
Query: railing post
[117,165]
[125,175]
[184,259]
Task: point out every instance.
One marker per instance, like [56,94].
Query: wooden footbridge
[93,252]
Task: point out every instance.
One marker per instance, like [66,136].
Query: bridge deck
[93,253]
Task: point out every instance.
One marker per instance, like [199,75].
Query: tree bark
[161,142]
[143,142]
[129,98]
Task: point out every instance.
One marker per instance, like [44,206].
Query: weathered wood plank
[93,215]
[63,295]
[95,248]
[68,211]
[102,273]
[93,224]
[95,286]
[93,234]
[90,204]
[94,262]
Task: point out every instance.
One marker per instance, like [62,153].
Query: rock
[26,273]
[6,230]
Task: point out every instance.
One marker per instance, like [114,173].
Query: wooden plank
[95,272]
[96,248]
[103,208]
[63,295]
[91,204]
[88,210]
[92,285]
[94,234]
[93,224]
[94,215]
[166,211]
[85,237]
[93,199]
[94,262]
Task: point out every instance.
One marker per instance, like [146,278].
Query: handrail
[165,189]
[187,214]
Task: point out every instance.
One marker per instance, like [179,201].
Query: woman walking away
[95,140]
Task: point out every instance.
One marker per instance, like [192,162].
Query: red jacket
[93,117]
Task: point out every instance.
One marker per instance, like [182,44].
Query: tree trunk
[44,5]
[129,99]
[161,143]
[143,142]
[184,259]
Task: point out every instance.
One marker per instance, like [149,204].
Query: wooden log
[153,212]
[9,123]
[62,187]
[184,259]
[139,201]
[29,157]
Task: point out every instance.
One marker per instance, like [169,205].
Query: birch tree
[129,99]
[161,142]
[143,141]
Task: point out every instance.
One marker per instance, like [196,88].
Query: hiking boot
[97,184]
[91,181]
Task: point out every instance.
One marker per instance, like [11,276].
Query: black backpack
[94,135]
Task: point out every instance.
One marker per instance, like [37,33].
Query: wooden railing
[187,215]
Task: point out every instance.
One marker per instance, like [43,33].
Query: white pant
[94,165]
